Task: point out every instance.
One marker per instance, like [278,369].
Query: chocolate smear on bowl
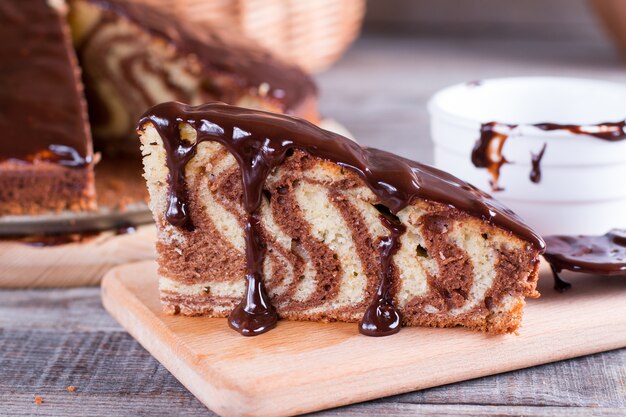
[487,151]
[535,160]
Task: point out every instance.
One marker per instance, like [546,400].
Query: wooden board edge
[259,403]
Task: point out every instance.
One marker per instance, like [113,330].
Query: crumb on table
[38,399]
[71,388]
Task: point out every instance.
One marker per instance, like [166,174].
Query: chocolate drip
[381,317]
[535,160]
[260,141]
[487,155]
[601,255]
[611,131]
[559,285]
[43,116]
[255,314]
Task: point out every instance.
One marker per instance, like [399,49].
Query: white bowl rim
[435,110]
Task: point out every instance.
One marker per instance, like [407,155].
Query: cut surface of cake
[262,216]
[134,56]
[45,150]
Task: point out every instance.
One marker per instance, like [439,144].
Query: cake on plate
[115,59]
[261,216]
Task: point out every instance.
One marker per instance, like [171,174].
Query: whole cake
[263,216]
[132,56]
[46,156]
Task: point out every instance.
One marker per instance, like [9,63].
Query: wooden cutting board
[24,265]
[301,367]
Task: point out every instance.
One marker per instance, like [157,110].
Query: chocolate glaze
[222,49]
[486,155]
[43,115]
[535,160]
[381,318]
[260,141]
[601,255]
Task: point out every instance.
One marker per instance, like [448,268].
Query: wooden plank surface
[303,366]
[50,339]
[53,338]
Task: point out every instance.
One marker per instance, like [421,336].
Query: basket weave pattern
[311,33]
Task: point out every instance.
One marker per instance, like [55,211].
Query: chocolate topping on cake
[38,81]
[487,151]
[261,141]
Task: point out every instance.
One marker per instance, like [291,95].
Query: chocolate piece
[535,160]
[488,154]
[261,141]
[601,255]
[43,114]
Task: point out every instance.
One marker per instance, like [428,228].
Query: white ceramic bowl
[583,184]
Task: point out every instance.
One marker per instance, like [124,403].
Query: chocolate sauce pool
[487,151]
[601,255]
[260,141]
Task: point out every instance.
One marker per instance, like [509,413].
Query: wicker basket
[311,33]
[613,15]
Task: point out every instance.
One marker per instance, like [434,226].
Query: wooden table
[52,339]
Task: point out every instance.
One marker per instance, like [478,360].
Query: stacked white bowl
[583,183]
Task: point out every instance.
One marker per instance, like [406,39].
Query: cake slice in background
[322,229]
[46,160]
[134,56]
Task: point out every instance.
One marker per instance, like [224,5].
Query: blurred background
[408,49]
[378,61]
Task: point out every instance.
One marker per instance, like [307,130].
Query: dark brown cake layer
[43,187]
